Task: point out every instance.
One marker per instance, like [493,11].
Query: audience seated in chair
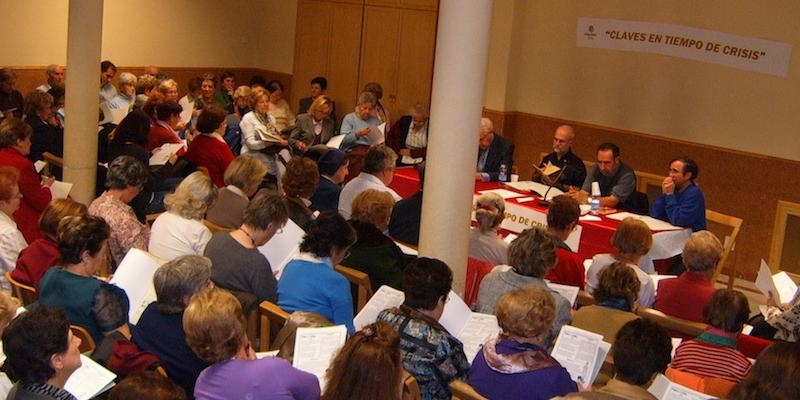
[9,307]
[242,178]
[484,242]
[406,214]
[208,149]
[516,365]
[333,168]
[615,298]
[562,218]
[160,328]
[298,184]
[530,256]
[285,339]
[12,239]
[773,376]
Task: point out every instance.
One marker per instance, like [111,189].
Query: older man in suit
[494,152]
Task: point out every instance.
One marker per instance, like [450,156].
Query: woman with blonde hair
[42,254]
[516,365]
[315,126]
[261,138]
[214,326]
[375,253]
[180,230]
[368,366]
[484,242]
[632,240]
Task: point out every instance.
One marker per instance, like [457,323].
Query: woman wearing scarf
[615,296]
[260,137]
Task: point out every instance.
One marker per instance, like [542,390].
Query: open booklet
[535,187]
[664,389]
[471,328]
[566,291]
[135,275]
[315,348]
[163,153]
[283,247]
[581,352]
[89,380]
[60,190]
[548,169]
[781,285]
[376,134]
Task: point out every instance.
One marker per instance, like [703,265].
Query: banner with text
[714,47]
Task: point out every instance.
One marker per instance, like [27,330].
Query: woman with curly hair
[180,230]
[214,325]
[516,365]
[484,242]
[299,183]
[616,296]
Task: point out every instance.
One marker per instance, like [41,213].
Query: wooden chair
[214,228]
[53,160]
[683,327]
[463,391]
[150,218]
[584,299]
[649,184]
[410,387]
[26,294]
[361,280]
[87,342]
[272,317]
[718,220]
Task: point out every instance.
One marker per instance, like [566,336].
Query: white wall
[704,103]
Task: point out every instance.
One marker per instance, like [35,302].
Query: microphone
[544,202]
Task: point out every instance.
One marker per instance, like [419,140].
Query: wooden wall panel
[741,184]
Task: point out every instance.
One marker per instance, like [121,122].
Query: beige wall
[198,33]
[683,99]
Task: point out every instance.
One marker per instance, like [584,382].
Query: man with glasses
[574,171]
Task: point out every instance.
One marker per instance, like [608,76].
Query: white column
[459,73]
[84,38]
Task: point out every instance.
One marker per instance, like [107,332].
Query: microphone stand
[544,202]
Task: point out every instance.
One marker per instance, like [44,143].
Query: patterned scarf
[525,359]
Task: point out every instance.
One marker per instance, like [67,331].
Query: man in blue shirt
[682,202]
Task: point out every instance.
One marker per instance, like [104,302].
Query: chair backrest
[53,160]
[214,228]
[150,218]
[724,226]
[682,326]
[26,294]
[584,299]
[476,271]
[463,391]
[272,318]
[649,184]
[410,387]
[361,280]
[87,342]
[712,386]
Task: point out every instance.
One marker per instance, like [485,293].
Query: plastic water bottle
[502,176]
[594,204]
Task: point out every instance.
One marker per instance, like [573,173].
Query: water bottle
[502,177]
[594,204]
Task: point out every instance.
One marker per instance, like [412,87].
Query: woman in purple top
[515,365]
[214,326]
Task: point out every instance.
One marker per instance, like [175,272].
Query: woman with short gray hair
[160,328]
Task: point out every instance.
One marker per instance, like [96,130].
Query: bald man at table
[574,171]
[616,180]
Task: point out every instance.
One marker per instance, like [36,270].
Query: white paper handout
[283,247]
[652,223]
[39,165]
[535,187]
[315,348]
[581,353]
[407,249]
[566,291]
[781,285]
[505,194]
[60,190]
[410,160]
[163,153]
[664,389]
[376,134]
[335,142]
[135,276]
[89,380]
[385,297]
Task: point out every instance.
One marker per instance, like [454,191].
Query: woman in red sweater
[209,149]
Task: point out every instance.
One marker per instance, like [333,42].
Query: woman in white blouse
[11,240]
[180,230]
[261,138]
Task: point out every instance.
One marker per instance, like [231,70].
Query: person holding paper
[83,243]
[309,283]
[615,298]
[163,130]
[160,328]
[180,230]
[516,365]
[782,321]
[617,180]
[261,138]
[41,354]
[242,178]
[485,242]
[714,353]
[562,220]
[632,240]
[369,366]
[769,377]
[682,202]
[15,145]
[379,166]
[562,157]
[314,127]
[357,125]
[430,353]
[215,331]
[494,152]
[687,295]
[409,136]
[530,256]
[238,263]
[641,351]
[43,253]
[11,239]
